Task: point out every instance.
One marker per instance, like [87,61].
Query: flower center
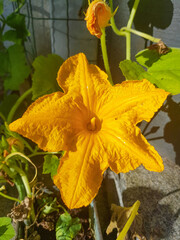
[92,125]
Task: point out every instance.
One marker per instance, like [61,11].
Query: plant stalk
[141,34]
[10,198]
[17,104]
[105,56]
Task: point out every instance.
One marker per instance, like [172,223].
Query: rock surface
[159,194]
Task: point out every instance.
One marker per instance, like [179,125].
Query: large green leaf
[12,36]
[17,21]
[1,7]
[51,163]
[67,227]
[133,71]
[6,229]
[4,62]
[164,68]
[7,104]
[44,78]
[18,68]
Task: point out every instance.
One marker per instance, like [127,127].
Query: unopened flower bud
[16,143]
[97,17]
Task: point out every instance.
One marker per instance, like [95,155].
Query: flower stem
[141,34]
[128,45]
[16,105]
[43,153]
[27,159]
[113,24]
[129,25]
[132,14]
[9,197]
[105,56]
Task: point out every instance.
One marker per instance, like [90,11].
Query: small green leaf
[18,68]
[67,227]
[50,207]
[6,229]
[12,36]
[17,21]
[44,78]
[51,163]
[1,6]
[165,69]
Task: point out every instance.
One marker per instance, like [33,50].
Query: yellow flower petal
[52,122]
[80,173]
[137,99]
[127,148]
[76,75]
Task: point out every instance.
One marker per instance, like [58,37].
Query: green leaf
[1,6]
[18,68]
[7,104]
[51,163]
[6,229]
[12,36]
[4,143]
[4,60]
[133,71]
[44,78]
[67,227]
[17,21]
[50,207]
[165,69]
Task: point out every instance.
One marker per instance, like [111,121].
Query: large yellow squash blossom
[95,123]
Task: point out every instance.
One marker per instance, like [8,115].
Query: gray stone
[159,194]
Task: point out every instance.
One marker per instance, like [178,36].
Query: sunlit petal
[80,173]
[52,122]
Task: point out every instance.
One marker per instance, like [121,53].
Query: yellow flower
[97,17]
[96,124]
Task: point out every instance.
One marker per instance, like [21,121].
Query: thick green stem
[16,105]
[20,187]
[129,25]
[24,179]
[27,187]
[105,56]
[128,45]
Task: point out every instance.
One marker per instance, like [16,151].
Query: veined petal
[127,148]
[77,75]
[80,173]
[52,121]
[138,99]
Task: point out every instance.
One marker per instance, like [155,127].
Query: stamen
[91,126]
